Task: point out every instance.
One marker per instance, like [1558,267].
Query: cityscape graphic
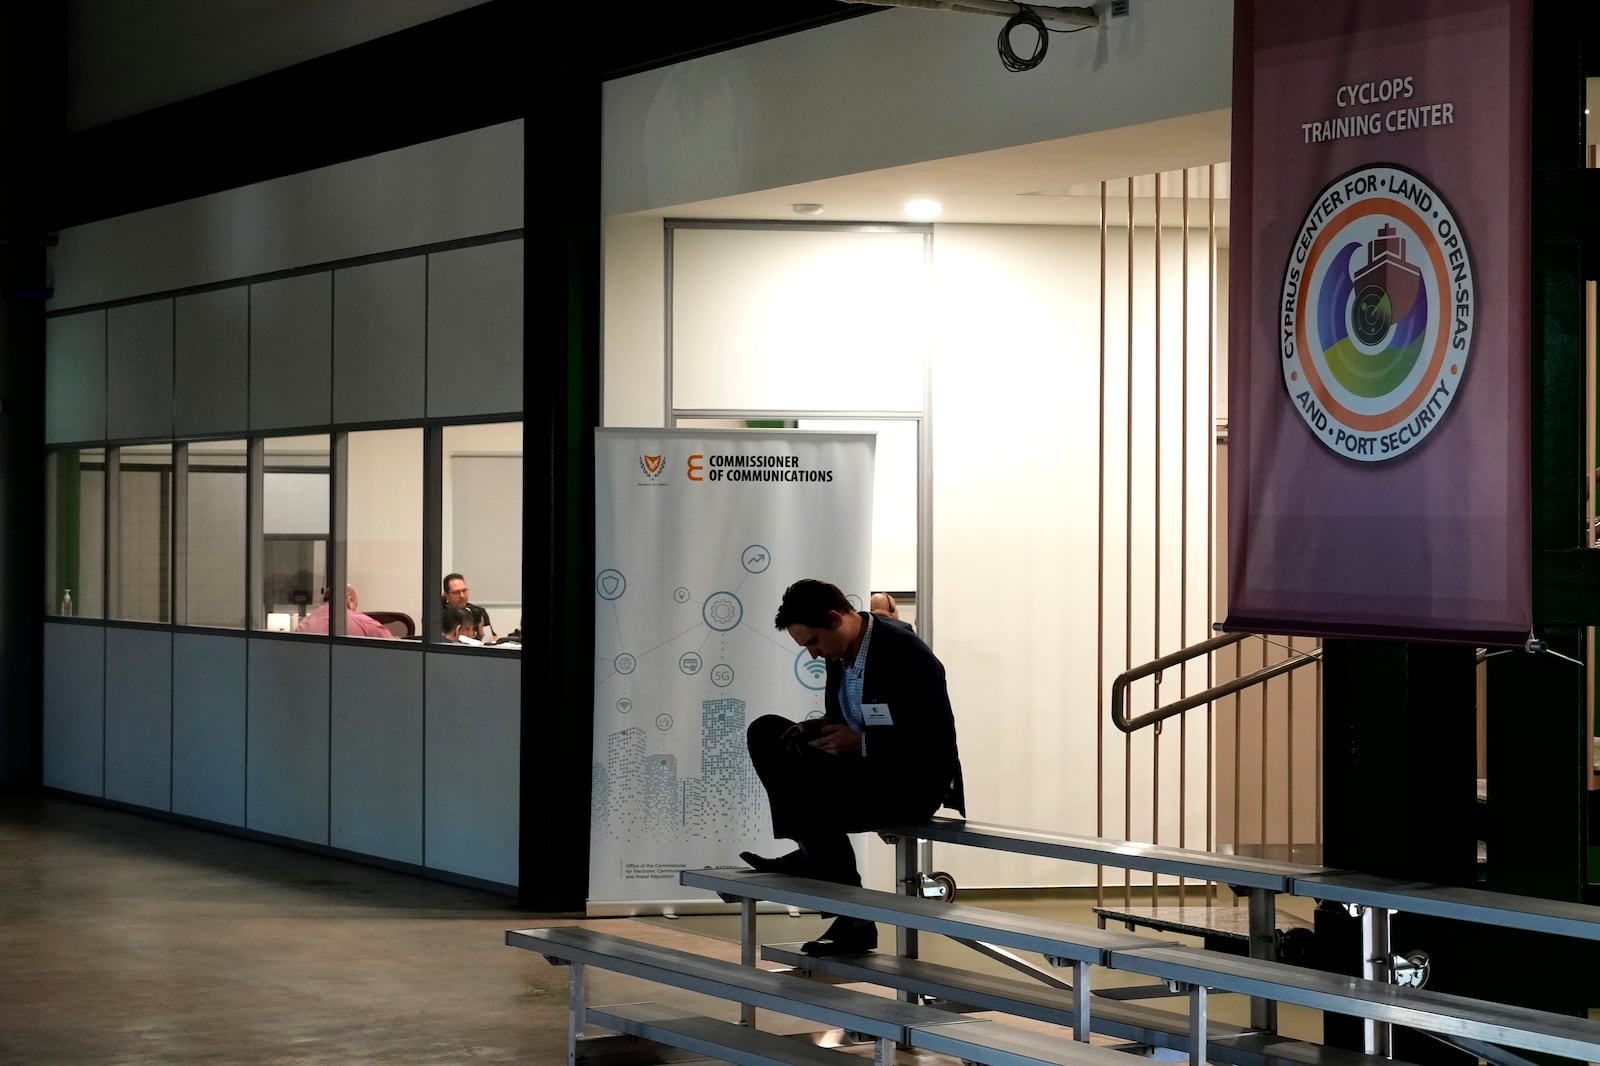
[640,798]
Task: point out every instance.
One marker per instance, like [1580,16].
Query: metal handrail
[1125,680]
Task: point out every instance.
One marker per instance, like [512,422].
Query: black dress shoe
[846,936]
[792,863]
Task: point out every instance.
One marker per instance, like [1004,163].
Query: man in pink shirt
[356,624]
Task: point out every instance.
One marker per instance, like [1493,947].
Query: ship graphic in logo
[652,465]
[1386,288]
[1376,313]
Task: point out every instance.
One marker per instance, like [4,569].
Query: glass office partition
[383,501]
[481,538]
[142,518]
[215,534]
[75,532]
[293,567]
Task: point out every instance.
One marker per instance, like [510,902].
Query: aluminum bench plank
[1439,1012]
[1007,995]
[1238,870]
[840,1007]
[1053,939]
[1001,1045]
[1530,913]
[716,1039]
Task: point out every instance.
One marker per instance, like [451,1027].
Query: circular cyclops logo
[1377,310]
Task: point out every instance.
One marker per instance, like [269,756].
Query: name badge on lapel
[877,714]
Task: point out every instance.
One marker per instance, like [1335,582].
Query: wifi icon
[812,673]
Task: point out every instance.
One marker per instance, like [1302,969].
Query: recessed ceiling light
[923,210]
[807,209]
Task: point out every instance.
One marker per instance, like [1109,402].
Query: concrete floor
[126,939]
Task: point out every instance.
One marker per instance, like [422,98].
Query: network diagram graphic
[681,674]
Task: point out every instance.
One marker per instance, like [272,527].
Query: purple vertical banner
[1378,481]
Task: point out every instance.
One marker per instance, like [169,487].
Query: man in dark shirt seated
[455,595]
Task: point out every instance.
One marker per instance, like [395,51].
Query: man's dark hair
[807,603]
[449,578]
[451,617]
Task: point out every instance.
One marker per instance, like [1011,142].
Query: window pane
[144,533]
[383,494]
[75,515]
[482,507]
[294,523]
[215,534]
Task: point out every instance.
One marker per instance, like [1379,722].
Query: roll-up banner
[1378,373]
[697,534]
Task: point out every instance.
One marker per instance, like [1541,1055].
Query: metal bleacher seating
[1481,1027]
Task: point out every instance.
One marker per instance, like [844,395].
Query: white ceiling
[1049,183]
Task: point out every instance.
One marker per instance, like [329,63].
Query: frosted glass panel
[798,319]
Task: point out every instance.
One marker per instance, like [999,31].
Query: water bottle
[66,602]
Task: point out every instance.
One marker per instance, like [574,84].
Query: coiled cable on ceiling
[1026,16]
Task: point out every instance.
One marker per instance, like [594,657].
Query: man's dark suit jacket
[916,754]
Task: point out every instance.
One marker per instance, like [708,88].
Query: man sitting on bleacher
[884,751]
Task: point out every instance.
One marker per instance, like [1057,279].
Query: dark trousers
[818,799]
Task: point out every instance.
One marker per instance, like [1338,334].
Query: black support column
[31,84]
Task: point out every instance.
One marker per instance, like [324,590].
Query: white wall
[1016,423]
[900,86]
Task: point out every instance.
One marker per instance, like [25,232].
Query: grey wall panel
[465,185]
[208,727]
[74,708]
[75,377]
[139,370]
[375,759]
[379,316]
[212,343]
[286,768]
[139,717]
[291,322]
[472,780]
[475,330]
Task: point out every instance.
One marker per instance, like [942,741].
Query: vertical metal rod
[1183,533]
[1080,1001]
[1266,729]
[575,982]
[1127,559]
[906,876]
[747,953]
[1317,677]
[1211,487]
[1375,966]
[1100,582]
[883,1052]
[1238,748]
[1155,552]
[1288,716]
[1263,945]
[1197,1025]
